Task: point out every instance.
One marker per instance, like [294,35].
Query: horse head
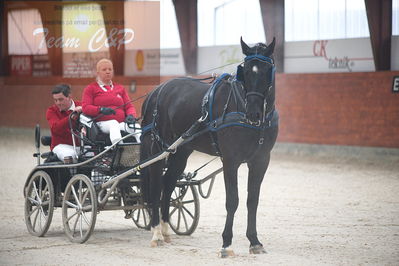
[258,71]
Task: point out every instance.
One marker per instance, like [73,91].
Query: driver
[109,102]
[58,119]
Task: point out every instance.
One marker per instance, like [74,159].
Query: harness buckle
[204,117]
[261,140]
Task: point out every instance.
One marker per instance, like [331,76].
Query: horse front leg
[230,182]
[257,170]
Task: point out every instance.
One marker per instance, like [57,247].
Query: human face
[62,102]
[105,72]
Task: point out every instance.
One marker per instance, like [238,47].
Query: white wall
[346,55]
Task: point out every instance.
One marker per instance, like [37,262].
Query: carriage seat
[49,156]
[94,133]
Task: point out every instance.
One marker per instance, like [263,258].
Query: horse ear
[244,47]
[270,47]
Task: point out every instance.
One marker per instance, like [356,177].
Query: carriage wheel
[184,210]
[141,218]
[79,209]
[39,203]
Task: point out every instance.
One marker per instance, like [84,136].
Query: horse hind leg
[155,174]
[176,165]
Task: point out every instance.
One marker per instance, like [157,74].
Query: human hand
[130,119]
[107,111]
[78,109]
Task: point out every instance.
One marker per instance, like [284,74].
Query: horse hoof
[156,243]
[225,253]
[167,239]
[257,249]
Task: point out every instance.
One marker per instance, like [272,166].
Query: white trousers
[64,150]
[113,128]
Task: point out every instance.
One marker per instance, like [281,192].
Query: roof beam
[187,20]
[273,23]
[379,16]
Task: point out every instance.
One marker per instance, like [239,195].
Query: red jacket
[95,97]
[59,126]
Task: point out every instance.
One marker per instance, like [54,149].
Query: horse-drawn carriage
[234,118]
[100,180]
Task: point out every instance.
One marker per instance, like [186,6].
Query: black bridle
[267,60]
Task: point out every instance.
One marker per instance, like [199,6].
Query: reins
[120,106]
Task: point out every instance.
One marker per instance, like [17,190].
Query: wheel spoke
[35,188]
[85,196]
[81,225]
[40,186]
[144,217]
[35,219]
[75,196]
[85,218]
[173,211]
[76,222]
[184,219]
[34,210]
[188,211]
[138,214]
[70,217]
[187,202]
[33,201]
[87,208]
[43,193]
[80,191]
[70,204]
[178,218]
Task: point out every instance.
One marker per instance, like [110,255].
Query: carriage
[105,177]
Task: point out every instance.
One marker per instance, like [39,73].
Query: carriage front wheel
[79,209]
[184,211]
[39,203]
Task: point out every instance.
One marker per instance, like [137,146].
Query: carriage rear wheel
[184,211]
[141,218]
[79,209]
[39,203]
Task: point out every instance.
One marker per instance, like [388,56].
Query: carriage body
[80,189]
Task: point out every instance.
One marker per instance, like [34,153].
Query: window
[223,22]
[324,19]
[80,23]
[21,25]
[170,37]
[395,17]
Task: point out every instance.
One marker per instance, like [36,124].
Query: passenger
[110,99]
[58,119]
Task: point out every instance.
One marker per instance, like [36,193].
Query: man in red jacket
[110,99]
[58,118]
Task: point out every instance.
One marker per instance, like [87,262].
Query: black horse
[239,123]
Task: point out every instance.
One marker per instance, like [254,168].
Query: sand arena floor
[319,206]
